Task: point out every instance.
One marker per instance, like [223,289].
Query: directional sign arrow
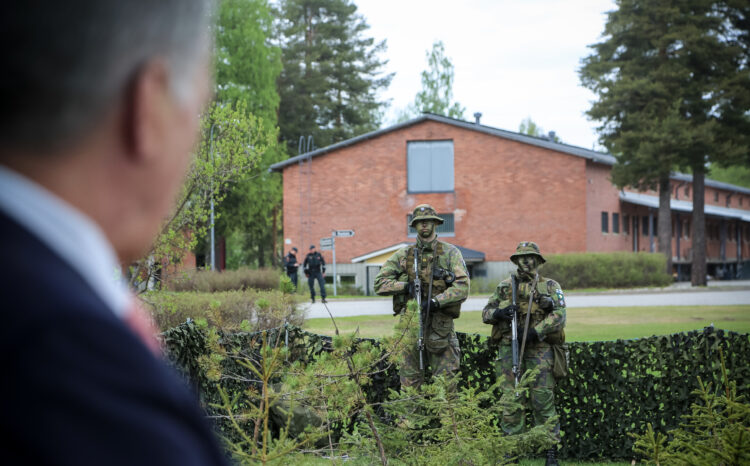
[343,233]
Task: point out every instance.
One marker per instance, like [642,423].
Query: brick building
[494,188]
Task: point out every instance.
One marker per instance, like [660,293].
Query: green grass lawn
[584,324]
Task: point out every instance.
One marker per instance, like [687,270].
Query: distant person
[100,112]
[315,269]
[546,323]
[291,265]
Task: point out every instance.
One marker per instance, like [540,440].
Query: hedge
[607,270]
[614,387]
[248,310]
[208,281]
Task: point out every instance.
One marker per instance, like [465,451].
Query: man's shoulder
[549,282]
[449,248]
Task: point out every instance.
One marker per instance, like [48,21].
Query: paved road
[673,297]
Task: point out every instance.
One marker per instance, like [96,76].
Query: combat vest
[439,329]
[543,286]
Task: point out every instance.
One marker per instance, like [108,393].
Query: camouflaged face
[425,212]
[543,322]
[527,247]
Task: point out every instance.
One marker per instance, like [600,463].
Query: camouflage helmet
[527,248]
[424,212]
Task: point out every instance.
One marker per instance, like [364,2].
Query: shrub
[241,279]
[607,270]
[249,310]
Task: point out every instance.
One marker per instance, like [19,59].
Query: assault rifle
[516,368]
[418,297]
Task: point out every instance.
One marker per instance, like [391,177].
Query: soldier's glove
[409,289]
[434,305]
[531,335]
[505,314]
[546,303]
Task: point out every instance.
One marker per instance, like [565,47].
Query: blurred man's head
[101,103]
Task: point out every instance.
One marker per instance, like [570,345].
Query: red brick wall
[505,192]
[602,196]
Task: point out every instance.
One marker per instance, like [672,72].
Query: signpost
[329,244]
[326,244]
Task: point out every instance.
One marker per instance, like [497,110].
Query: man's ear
[147,110]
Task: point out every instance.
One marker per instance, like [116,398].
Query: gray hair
[66,62]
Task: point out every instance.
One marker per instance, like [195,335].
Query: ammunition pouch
[555,338]
[560,360]
[441,332]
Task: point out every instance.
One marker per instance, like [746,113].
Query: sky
[512,59]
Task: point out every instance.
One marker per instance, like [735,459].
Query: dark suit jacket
[79,388]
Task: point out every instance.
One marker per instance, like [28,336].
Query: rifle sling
[528,316]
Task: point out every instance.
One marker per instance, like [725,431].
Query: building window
[615,222]
[446,229]
[740,201]
[716,196]
[730,232]
[626,224]
[605,222]
[729,201]
[644,225]
[687,192]
[686,229]
[429,166]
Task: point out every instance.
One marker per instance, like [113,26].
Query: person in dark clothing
[291,266]
[315,268]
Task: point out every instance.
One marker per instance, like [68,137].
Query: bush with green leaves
[716,431]
[607,270]
[614,387]
[250,310]
[207,281]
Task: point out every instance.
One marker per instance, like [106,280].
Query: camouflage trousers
[541,396]
[445,362]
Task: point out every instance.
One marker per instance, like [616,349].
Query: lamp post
[213,244]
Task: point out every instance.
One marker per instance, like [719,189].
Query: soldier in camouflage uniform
[442,264]
[545,329]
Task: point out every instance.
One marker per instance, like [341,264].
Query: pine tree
[659,74]
[331,72]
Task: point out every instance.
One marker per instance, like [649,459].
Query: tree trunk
[698,268]
[665,220]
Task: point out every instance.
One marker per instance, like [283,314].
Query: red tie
[140,322]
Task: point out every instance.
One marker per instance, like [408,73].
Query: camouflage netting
[614,387]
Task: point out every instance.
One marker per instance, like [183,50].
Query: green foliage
[613,388]
[331,72]
[607,270]
[229,310]
[231,143]
[437,88]
[247,67]
[715,431]
[207,281]
[737,175]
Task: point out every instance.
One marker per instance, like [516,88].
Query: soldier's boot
[313,299]
[323,300]
[552,457]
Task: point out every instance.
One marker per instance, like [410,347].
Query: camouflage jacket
[394,276]
[548,324]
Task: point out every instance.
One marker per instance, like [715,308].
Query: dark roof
[534,141]
[594,156]
[470,255]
